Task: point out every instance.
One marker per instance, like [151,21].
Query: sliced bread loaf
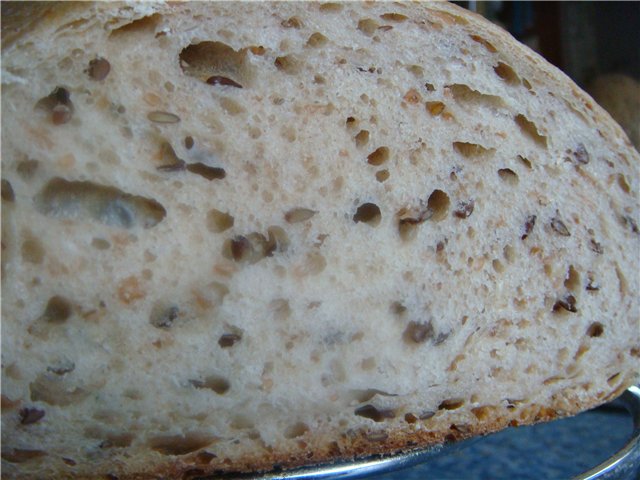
[241,235]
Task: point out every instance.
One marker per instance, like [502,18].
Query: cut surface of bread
[237,236]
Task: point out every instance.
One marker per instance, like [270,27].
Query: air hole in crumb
[297,215]
[100,244]
[289,64]
[497,265]
[529,129]
[331,7]
[296,430]
[525,161]
[451,404]
[572,280]
[485,43]
[58,310]
[76,199]
[471,150]
[416,70]
[622,282]
[506,73]
[435,108]
[508,176]
[612,380]
[21,455]
[596,329]
[382,175]
[317,40]
[362,138]
[368,213]
[438,203]
[216,63]
[292,22]
[566,304]
[146,24]
[180,444]
[218,222]
[394,17]
[205,171]
[623,184]
[509,253]
[378,156]
[373,413]
[231,106]
[368,26]
[218,384]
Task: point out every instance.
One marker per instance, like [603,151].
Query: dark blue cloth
[559,450]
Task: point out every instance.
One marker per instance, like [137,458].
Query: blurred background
[597,44]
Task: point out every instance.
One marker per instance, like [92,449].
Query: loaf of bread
[246,236]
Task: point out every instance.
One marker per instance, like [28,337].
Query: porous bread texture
[405,228]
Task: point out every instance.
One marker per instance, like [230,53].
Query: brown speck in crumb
[592,285]
[373,413]
[418,332]
[58,310]
[567,303]
[412,97]
[240,248]
[163,316]
[410,418]
[224,81]
[559,227]
[188,142]
[429,87]
[595,246]
[228,340]
[98,69]
[580,155]
[464,209]
[529,223]
[130,291]
[210,173]
[630,223]
[29,416]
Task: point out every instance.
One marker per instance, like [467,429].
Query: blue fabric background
[557,450]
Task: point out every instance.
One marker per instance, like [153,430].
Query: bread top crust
[361,296]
